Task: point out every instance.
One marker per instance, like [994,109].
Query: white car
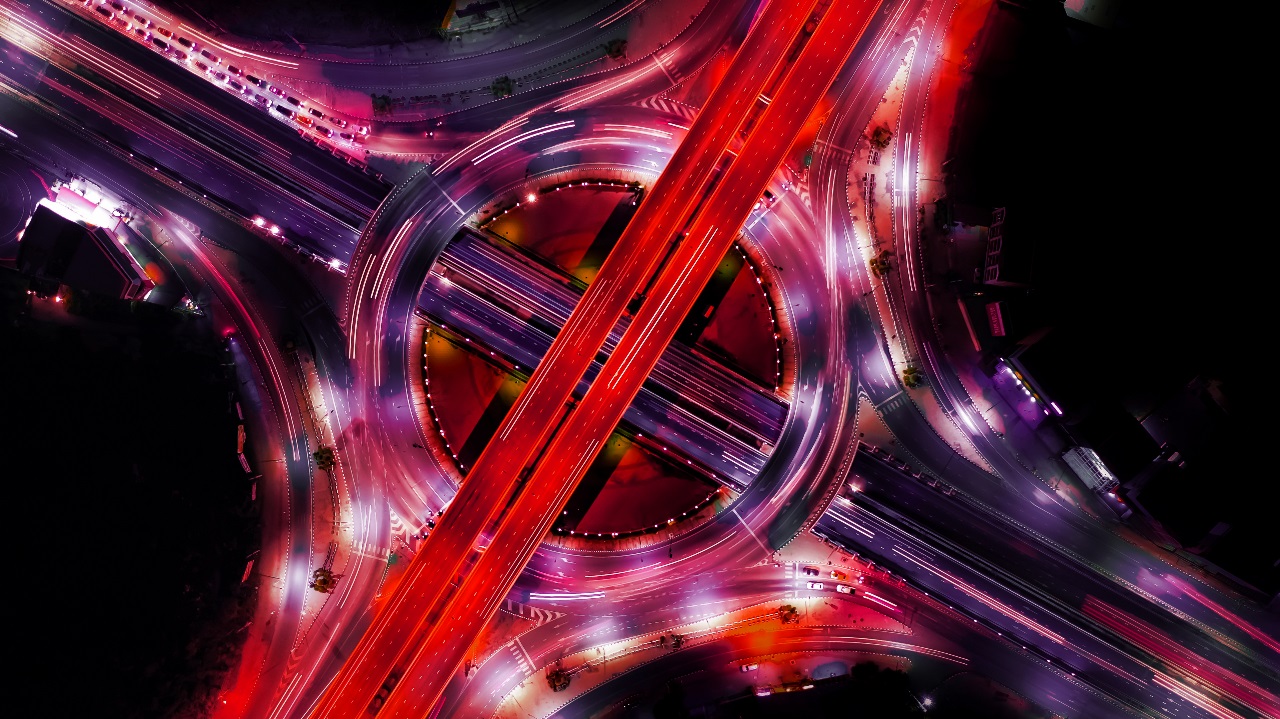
[844,589]
[815,585]
[750,667]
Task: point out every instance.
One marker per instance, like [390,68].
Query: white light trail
[521,138]
[519,121]
[640,130]
[566,596]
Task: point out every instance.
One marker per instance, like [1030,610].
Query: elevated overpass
[400,632]
[803,81]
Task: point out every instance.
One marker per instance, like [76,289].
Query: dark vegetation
[1082,133]
[866,691]
[1076,129]
[133,517]
[330,22]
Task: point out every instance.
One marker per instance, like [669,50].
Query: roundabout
[749,519]
[700,430]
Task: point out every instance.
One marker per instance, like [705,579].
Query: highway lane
[665,426]
[246,193]
[715,391]
[470,312]
[576,444]
[453,539]
[1068,577]
[998,600]
[215,118]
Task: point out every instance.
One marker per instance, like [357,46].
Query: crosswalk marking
[671,107]
[539,615]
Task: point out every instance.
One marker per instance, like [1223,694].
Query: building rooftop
[58,249]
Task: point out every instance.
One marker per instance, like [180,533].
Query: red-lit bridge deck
[575,444]
[397,634]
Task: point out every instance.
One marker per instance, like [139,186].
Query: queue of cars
[181,49]
[835,574]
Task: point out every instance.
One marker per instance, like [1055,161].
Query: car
[844,589]
[179,55]
[837,574]
[233,70]
[142,33]
[317,113]
[164,32]
[339,122]
[324,131]
[811,571]
[201,66]
[284,111]
[117,5]
[104,11]
[304,121]
[209,56]
[260,99]
[347,136]
[275,91]
[235,86]
[143,21]
[293,101]
[186,43]
[220,76]
[749,667]
[364,129]
[256,81]
[814,585]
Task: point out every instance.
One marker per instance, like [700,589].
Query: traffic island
[640,488]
